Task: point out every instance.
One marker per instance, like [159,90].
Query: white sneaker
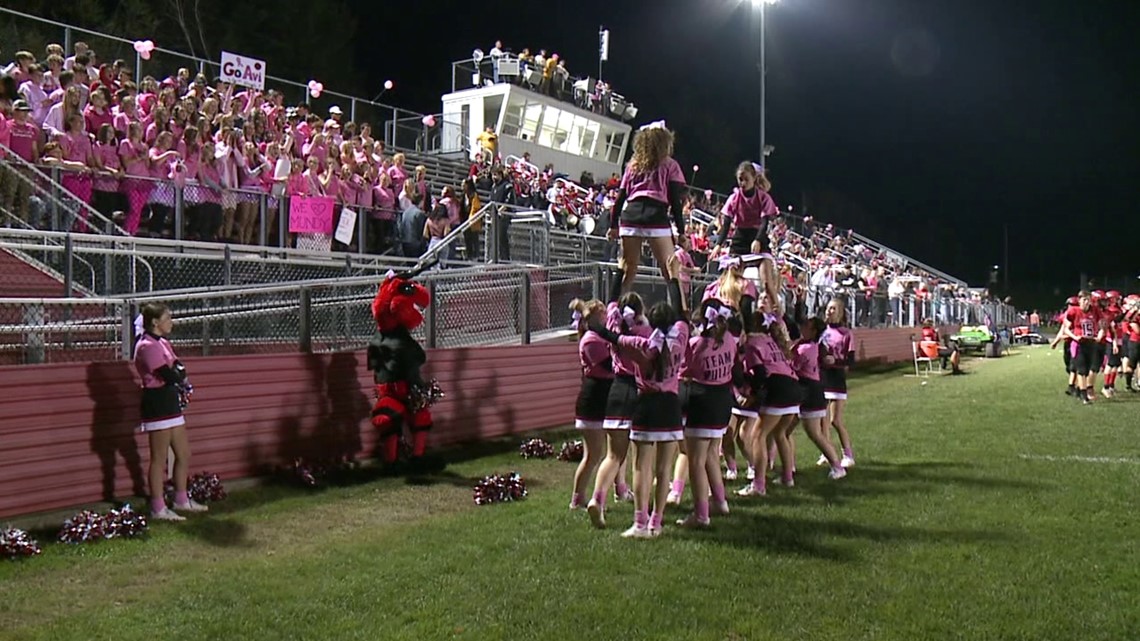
[638,532]
[167,514]
[749,490]
[597,514]
[836,473]
[730,475]
[191,506]
[720,509]
[674,498]
[822,461]
[847,461]
[788,483]
[751,473]
[692,522]
[628,496]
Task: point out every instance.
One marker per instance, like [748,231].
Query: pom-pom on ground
[536,448]
[315,474]
[85,527]
[206,488]
[572,451]
[125,523]
[17,544]
[499,488]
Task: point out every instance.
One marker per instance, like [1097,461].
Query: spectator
[471,207]
[412,223]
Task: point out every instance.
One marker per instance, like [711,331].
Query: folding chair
[932,364]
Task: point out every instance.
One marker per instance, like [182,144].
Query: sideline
[1079,459]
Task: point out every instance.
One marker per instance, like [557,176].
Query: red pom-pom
[17,544]
[85,527]
[536,448]
[571,452]
[500,489]
[421,396]
[206,488]
[125,523]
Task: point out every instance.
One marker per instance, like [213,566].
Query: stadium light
[758,6]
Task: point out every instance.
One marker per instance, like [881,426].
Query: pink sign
[311,215]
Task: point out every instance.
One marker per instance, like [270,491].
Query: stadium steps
[21,276]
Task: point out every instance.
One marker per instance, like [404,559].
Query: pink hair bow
[758,167]
[575,318]
[727,262]
[628,314]
[770,319]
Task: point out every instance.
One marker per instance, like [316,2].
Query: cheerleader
[840,346]
[746,213]
[807,356]
[735,291]
[165,392]
[656,423]
[650,194]
[706,408]
[590,410]
[623,315]
[766,364]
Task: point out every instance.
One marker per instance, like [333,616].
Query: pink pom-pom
[572,451]
[17,544]
[388,84]
[536,448]
[315,88]
[429,120]
[500,489]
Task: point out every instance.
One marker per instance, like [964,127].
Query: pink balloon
[388,84]
[143,48]
[696,168]
[315,88]
[429,120]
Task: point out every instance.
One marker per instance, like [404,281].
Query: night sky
[925,124]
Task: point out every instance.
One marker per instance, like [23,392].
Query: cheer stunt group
[688,386]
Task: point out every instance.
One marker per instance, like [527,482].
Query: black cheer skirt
[620,402]
[590,409]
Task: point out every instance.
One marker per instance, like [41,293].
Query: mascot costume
[403,398]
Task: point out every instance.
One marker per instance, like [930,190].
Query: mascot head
[401,301]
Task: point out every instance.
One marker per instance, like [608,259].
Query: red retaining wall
[67,430]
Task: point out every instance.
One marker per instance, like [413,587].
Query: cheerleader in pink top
[840,346]
[771,376]
[747,213]
[807,358]
[656,423]
[649,202]
[590,408]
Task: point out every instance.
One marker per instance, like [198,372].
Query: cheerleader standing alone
[840,345]
[590,409]
[165,391]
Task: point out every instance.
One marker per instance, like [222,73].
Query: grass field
[987,506]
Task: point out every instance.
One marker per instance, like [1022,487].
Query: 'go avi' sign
[243,71]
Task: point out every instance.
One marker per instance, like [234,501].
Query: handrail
[450,237]
[10,157]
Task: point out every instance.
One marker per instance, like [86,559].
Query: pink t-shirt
[594,354]
[76,146]
[684,277]
[23,138]
[109,155]
[747,213]
[805,361]
[122,122]
[385,202]
[133,157]
[762,349]
[297,185]
[708,363]
[624,361]
[652,184]
[399,177]
[211,173]
[839,343]
[95,120]
[152,353]
[677,343]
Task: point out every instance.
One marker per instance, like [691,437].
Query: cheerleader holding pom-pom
[166,392]
[590,409]
[656,422]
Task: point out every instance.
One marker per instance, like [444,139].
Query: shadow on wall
[115,395]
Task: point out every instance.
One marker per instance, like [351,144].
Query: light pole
[759,6]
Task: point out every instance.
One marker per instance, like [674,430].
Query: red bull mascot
[403,397]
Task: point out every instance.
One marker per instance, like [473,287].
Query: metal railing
[33,32]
